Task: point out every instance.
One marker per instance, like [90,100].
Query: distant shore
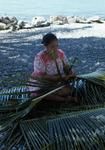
[8,24]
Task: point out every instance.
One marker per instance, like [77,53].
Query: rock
[59,20]
[2,26]
[7,23]
[75,19]
[28,25]
[13,28]
[0,19]
[81,20]
[39,22]
[21,24]
[13,24]
[95,19]
[46,24]
[5,20]
[14,21]
[71,19]
[24,25]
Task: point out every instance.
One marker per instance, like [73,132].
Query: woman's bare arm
[54,78]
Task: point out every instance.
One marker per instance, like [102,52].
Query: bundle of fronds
[60,126]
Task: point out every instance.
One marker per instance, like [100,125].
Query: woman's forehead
[55,42]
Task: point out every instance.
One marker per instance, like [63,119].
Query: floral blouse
[43,63]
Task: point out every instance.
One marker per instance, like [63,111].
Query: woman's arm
[54,78]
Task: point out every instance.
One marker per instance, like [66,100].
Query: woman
[50,64]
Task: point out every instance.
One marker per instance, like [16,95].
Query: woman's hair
[48,38]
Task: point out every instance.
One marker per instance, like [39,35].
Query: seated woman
[49,64]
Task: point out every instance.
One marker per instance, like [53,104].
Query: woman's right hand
[70,76]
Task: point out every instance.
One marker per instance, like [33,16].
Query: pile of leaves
[54,126]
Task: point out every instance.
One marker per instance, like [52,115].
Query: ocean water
[18,50]
[26,9]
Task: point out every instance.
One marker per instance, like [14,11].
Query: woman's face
[53,46]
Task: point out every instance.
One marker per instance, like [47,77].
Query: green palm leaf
[77,127]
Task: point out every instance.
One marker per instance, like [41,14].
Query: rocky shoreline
[13,24]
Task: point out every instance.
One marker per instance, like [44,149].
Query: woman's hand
[70,76]
[54,78]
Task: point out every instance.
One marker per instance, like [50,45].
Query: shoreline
[12,24]
[66,31]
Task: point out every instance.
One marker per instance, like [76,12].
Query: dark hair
[48,38]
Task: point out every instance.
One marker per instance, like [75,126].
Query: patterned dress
[44,64]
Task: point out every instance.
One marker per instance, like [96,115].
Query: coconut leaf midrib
[64,121]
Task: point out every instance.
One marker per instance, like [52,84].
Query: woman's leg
[54,98]
[66,91]
[62,95]
[58,98]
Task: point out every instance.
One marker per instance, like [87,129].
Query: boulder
[13,24]
[13,27]
[21,24]
[95,19]
[28,25]
[5,20]
[81,20]
[71,19]
[14,21]
[0,19]
[39,22]
[76,19]
[7,23]
[59,20]
[3,26]
[24,25]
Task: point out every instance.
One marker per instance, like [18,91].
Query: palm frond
[21,111]
[14,98]
[84,130]
[34,134]
[77,127]
[97,77]
[91,92]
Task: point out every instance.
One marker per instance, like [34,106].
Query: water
[17,52]
[26,9]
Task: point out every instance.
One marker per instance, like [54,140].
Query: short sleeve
[39,67]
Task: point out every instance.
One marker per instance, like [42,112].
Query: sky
[29,8]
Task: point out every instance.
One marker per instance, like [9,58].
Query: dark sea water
[17,52]
[26,9]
